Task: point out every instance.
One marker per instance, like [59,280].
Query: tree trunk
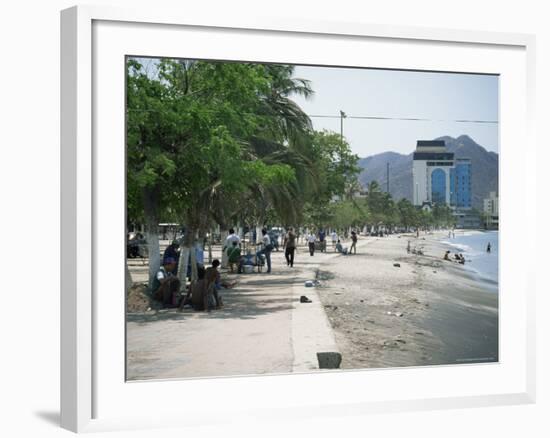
[182,267]
[150,206]
[258,234]
[194,273]
[128,283]
[224,261]
[210,247]
[187,252]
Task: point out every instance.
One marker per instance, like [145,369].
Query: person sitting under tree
[198,295]
[213,282]
[172,251]
[166,284]
[234,256]
[341,249]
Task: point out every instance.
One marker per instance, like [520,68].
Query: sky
[442,98]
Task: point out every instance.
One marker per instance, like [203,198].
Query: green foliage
[193,132]
[218,142]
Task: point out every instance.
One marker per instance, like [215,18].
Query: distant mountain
[484,169]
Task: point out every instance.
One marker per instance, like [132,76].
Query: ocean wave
[460,246]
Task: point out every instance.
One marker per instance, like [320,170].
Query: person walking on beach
[353,246]
[323,243]
[334,238]
[289,246]
[267,247]
[311,243]
[489,247]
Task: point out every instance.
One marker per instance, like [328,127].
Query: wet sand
[427,311]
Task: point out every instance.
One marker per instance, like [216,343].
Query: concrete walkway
[263,328]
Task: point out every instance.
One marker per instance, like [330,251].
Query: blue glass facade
[439,186]
[461,186]
[453,187]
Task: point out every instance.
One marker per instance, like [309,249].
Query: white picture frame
[92,394]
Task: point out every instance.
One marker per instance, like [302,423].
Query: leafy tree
[195,131]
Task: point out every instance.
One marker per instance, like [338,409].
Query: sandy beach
[427,311]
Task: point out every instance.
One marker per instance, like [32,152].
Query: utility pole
[388,177]
[342,117]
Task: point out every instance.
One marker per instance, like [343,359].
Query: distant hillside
[484,169]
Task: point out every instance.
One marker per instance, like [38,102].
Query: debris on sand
[138,300]
[397,265]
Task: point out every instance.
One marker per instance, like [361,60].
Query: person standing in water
[489,247]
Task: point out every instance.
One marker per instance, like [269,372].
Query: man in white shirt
[311,243]
[267,247]
[334,238]
[232,238]
[228,245]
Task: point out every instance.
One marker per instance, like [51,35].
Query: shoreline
[479,275]
[425,312]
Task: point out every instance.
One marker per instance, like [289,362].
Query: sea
[473,246]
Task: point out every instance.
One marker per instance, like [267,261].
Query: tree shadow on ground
[268,283]
[324,275]
[235,308]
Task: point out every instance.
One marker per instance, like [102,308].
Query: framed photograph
[292,218]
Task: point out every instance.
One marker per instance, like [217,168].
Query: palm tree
[284,141]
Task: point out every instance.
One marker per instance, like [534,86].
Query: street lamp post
[342,117]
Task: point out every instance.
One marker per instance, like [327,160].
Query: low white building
[490,210]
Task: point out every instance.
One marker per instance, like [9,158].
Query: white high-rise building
[432,166]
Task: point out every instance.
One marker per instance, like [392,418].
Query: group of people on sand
[237,261]
[202,293]
[458,257]
[337,246]
[315,241]
[344,249]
